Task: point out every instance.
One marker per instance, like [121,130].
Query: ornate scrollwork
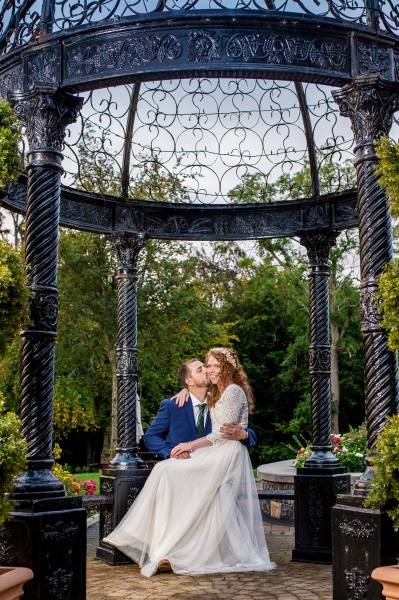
[178,224]
[133,493]
[357,583]
[373,59]
[369,307]
[60,585]
[44,67]
[356,529]
[126,362]
[11,81]
[276,49]
[43,307]
[320,359]
[203,46]
[59,531]
[107,487]
[341,486]
[116,55]
[315,512]
[8,556]
[107,527]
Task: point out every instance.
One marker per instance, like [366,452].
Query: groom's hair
[184,371]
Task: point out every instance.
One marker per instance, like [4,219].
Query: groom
[173,425]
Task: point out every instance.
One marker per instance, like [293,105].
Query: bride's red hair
[231,371]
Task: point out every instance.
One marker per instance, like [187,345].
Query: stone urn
[389,579]
[12,580]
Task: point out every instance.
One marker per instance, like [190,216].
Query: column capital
[46,111]
[318,245]
[127,249]
[370,103]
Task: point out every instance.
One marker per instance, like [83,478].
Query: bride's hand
[182,397]
[180,448]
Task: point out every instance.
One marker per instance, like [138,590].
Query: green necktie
[200,420]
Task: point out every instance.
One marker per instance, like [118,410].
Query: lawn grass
[84,476]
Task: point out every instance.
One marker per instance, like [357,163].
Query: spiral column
[46,113]
[318,482]
[370,103]
[318,248]
[47,529]
[127,251]
[127,472]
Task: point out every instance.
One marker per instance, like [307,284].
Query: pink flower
[301,451]
[336,439]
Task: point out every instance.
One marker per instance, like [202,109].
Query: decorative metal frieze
[374,59]
[59,532]
[133,493]
[8,555]
[315,512]
[286,50]
[356,529]
[11,81]
[203,46]
[59,585]
[396,66]
[191,222]
[357,583]
[107,487]
[370,103]
[115,55]
[341,486]
[44,67]
[83,213]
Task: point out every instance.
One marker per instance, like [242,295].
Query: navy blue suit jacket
[173,425]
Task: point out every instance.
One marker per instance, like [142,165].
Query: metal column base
[49,537]
[316,491]
[124,485]
[363,540]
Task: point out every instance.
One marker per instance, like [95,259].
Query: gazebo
[212,93]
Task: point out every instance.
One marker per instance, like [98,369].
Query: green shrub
[384,491]
[10,136]
[13,451]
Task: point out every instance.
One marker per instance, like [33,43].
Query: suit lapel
[190,415]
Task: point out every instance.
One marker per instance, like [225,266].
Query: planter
[389,578]
[12,580]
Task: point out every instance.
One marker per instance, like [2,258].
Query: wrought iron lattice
[24,21]
[210,141]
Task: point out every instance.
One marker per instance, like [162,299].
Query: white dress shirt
[196,404]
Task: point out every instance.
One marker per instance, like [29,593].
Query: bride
[202,515]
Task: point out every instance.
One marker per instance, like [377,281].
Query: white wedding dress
[202,514]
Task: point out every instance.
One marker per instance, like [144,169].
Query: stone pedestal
[48,537]
[316,491]
[124,485]
[278,476]
[363,540]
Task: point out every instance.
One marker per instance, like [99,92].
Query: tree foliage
[10,136]
[13,293]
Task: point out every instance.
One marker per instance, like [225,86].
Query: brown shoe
[164,566]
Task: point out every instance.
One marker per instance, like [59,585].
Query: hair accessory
[227,354]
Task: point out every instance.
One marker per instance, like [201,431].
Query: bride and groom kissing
[200,515]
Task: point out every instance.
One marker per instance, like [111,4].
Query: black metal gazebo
[211,93]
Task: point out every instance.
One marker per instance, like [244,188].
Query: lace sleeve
[231,407]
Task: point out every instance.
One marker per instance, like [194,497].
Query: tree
[13,293]
[343,293]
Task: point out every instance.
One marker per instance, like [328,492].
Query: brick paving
[290,581]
